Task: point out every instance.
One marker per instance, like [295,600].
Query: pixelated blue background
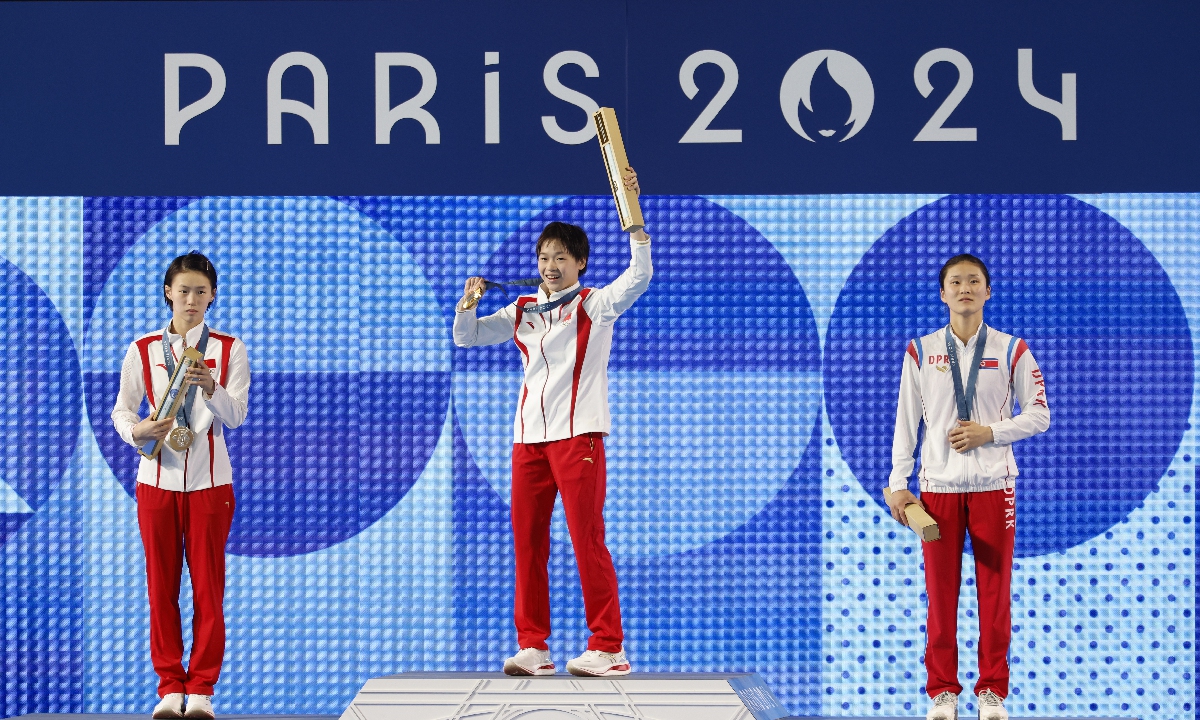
[752,386]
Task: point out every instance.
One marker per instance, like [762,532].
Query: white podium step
[495,696]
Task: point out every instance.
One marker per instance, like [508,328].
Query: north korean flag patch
[989,364]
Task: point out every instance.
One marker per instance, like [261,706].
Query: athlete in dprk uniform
[564,335]
[961,381]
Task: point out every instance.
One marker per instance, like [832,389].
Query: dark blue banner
[471,97]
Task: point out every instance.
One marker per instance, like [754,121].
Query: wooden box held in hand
[173,398]
[918,519]
[615,162]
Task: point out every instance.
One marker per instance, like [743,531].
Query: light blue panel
[116,652]
[306,631]
[692,455]
[43,236]
[822,237]
[298,278]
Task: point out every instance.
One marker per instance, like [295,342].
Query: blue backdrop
[354,161]
[753,392]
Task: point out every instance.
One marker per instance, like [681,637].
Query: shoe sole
[167,715]
[200,715]
[511,668]
[615,670]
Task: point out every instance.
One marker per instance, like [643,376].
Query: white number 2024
[933,131]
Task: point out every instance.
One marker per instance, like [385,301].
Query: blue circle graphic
[349,356]
[1100,316]
[714,376]
[40,373]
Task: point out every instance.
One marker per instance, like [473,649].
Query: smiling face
[189,294]
[965,289]
[558,268]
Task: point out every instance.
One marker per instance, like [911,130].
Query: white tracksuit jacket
[927,393]
[564,352]
[144,375]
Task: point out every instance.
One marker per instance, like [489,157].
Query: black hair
[574,240]
[964,258]
[192,262]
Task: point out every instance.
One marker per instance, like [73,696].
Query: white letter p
[174,116]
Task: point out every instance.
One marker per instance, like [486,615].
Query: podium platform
[496,696]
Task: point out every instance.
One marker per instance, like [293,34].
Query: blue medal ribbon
[553,304]
[523,282]
[169,358]
[532,282]
[966,397]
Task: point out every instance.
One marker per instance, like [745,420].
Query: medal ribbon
[524,282]
[966,397]
[548,306]
[532,282]
[169,358]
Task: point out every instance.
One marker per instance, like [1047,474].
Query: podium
[496,696]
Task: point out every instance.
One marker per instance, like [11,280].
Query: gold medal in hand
[473,299]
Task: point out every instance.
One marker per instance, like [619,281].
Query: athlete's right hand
[148,430]
[899,500]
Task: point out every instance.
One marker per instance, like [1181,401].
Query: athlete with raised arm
[564,336]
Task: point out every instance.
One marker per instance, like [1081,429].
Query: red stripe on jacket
[148,380]
[521,303]
[226,350]
[583,332]
[1022,348]
[143,346]
[223,378]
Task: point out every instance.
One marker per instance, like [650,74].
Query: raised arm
[606,304]
[1030,388]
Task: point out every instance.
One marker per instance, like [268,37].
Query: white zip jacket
[564,352]
[144,376]
[927,393]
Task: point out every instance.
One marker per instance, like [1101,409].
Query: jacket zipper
[542,350]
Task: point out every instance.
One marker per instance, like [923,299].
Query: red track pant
[195,524]
[575,468]
[990,518]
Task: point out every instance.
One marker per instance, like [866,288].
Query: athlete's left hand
[969,435]
[631,181]
[200,375]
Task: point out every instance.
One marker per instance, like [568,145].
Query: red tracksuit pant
[195,525]
[990,518]
[575,468]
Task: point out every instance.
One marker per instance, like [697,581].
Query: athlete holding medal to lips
[961,381]
[185,499]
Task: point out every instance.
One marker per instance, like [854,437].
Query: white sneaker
[529,661]
[171,706]
[199,706]
[595,663]
[991,706]
[945,707]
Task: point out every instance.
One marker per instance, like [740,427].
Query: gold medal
[181,439]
